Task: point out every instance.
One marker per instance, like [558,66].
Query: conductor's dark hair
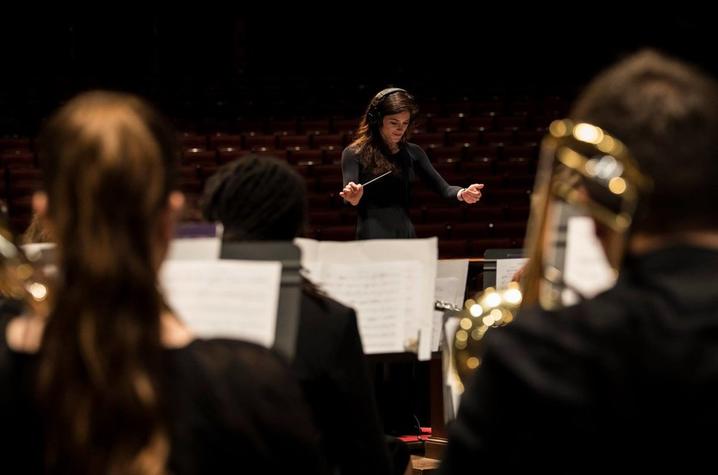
[368,142]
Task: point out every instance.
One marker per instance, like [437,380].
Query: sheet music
[194,249]
[586,268]
[311,265]
[377,253]
[309,248]
[381,295]
[225,298]
[505,270]
[457,269]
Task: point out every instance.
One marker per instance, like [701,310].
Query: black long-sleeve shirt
[383,209]
[232,407]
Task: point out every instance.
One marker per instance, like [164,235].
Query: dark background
[207,70]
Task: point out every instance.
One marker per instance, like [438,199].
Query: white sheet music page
[505,270]
[586,267]
[377,253]
[225,298]
[457,269]
[382,296]
[311,265]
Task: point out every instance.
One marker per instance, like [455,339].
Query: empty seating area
[492,141]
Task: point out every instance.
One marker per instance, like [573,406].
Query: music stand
[490,258]
[285,340]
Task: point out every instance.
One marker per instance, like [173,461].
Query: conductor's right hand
[352,193]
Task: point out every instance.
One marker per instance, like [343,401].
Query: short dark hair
[666,112]
[257,198]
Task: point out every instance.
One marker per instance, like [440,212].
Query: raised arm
[352,191]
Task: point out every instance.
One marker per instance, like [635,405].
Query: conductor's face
[394,126]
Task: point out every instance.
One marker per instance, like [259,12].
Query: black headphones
[372,114]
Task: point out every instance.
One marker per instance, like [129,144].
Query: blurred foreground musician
[629,377]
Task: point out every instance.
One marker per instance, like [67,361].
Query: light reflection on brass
[558,128]
[588,133]
[38,291]
[20,278]
[583,171]
[492,299]
[512,296]
[497,309]
[478,333]
[608,145]
[24,271]
[508,317]
[617,185]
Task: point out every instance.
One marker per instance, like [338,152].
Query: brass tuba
[583,172]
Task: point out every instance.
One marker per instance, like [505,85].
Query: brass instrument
[489,309]
[583,172]
[22,277]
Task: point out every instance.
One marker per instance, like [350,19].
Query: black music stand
[285,340]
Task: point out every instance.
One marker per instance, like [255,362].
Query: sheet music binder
[290,288]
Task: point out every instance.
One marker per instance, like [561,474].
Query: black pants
[402,394]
